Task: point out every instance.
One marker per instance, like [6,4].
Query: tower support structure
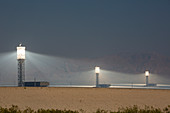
[21,72]
[97,79]
[147,83]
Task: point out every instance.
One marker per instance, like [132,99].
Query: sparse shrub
[133,109]
[14,109]
[28,110]
[136,109]
[3,110]
[101,111]
[167,109]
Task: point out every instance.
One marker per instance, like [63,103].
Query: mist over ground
[69,71]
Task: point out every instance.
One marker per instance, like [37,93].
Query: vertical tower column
[147,81]
[97,79]
[21,65]
[21,72]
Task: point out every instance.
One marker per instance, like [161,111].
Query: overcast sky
[89,28]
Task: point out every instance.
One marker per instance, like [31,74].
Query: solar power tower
[21,64]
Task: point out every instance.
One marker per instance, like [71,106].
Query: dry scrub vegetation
[132,109]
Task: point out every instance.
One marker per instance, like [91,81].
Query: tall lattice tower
[21,64]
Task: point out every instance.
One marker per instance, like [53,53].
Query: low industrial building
[36,84]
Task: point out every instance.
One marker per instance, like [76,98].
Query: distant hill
[116,68]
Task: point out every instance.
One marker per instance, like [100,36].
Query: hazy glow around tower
[20,52]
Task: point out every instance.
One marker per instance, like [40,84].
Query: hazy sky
[77,28]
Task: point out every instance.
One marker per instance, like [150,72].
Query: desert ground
[88,99]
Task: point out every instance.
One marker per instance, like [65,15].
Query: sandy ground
[88,99]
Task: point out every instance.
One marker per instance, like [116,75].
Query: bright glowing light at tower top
[20,52]
[146,73]
[97,70]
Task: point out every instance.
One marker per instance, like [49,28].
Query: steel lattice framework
[21,72]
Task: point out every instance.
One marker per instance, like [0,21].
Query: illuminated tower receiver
[21,64]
